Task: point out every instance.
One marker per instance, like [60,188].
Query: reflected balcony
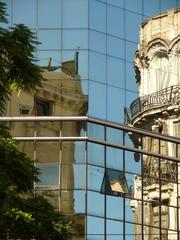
[167,97]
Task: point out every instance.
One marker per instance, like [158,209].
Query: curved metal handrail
[166,96]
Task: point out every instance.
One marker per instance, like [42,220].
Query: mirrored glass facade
[115,182]
[110,189]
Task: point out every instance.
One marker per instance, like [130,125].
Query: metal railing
[166,96]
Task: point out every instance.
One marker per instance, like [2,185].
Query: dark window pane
[42,108]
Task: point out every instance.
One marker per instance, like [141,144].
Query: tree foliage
[17,68]
[22,214]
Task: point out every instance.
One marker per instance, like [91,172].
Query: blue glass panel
[49,174]
[114,207]
[114,230]
[95,204]
[130,232]
[166,4]
[116,101]
[75,14]
[79,201]
[95,177]
[115,72]
[115,47]
[97,67]
[97,100]
[114,158]
[74,39]
[97,16]
[130,51]
[130,164]
[130,77]
[49,39]
[96,131]
[79,174]
[79,152]
[95,228]
[24,11]
[130,97]
[151,7]
[115,15]
[114,135]
[132,33]
[97,41]
[84,87]
[119,3]
[135,6]
[96,154]
[49,14]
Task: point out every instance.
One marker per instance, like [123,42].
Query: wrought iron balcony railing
[166,96]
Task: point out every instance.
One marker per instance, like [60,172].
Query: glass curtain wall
[106,34]
[106,186]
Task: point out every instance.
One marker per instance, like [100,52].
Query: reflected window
[49,174]
[114,183]
[42,108]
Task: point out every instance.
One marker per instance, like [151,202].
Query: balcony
[165,97]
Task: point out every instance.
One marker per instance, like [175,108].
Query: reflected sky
[103,32]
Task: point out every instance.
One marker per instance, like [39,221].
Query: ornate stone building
[157,67]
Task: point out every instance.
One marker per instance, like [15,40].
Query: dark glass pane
[49,175]
[114,183]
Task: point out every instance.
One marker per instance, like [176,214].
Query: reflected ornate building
[157,64]
[60,95]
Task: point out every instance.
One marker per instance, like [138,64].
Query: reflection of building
[60,95]
[157,63]
[106,34]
